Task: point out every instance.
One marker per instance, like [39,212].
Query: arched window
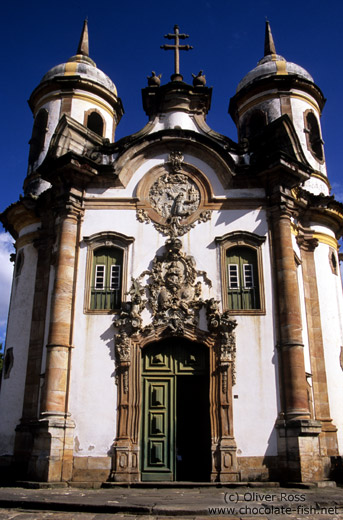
[333,261]
[314,140]
[95,123]
[242,277]
[254,123]
[38,135]
[106,272]
[107,278]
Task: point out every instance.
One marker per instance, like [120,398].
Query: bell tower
[76,89]
[276,88]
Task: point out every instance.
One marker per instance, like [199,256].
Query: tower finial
[269,46]
[83,47]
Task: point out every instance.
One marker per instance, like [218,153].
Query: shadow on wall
[108,337]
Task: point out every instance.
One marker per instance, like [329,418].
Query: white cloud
[6,273]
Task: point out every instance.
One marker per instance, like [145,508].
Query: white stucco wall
[93,392]
[18,337]
[256,393]
[331,311]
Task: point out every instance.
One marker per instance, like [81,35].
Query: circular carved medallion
[174,195]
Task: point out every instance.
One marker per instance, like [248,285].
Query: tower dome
[77,89]
[272,64]
[277,87]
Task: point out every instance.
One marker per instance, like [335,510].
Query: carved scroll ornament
[173,295]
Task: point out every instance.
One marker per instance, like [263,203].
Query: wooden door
[158,431]
[174,372]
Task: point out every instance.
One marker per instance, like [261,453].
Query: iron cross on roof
[176,48]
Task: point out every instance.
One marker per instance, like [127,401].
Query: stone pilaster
[227,448]
[52,454]
[125,452]
[298,434]
[328,435]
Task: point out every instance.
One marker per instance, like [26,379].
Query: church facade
[176,309]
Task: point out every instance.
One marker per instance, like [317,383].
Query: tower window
[333,261]
[314,140]
[254,124]
[95,123]
[38,135]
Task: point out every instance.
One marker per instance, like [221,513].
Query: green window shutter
[242,275]
[106,278]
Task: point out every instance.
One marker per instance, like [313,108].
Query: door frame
[126,447]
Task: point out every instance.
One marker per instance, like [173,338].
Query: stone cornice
[279,84]
[20,215]
[72,83]
[319,209]
[176,96]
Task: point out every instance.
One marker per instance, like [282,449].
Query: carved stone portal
[172,293]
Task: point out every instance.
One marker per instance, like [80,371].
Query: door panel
[158,460]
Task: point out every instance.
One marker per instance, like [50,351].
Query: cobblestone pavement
[120,503]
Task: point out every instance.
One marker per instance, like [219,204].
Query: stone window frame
[307,131]
[85,120]
[241,239]
[96,241]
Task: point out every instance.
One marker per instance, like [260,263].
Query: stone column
[328,436]
[295,399]
[55,432]
[298,434]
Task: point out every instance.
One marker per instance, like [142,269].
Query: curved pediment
[131,155]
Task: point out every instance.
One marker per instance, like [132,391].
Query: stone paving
[246,503]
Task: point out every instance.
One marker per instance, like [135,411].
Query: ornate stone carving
[223,325]
[199,80]
[175,160]
[174,196]
[174,199]
[154,80]
[130,320]
[174,295]
[123,348]
[142,215]
[175,228]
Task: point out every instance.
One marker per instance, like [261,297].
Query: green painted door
[175,415]
[158,433]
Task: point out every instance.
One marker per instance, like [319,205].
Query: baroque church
[176,309]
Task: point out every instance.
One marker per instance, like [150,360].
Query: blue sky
[125,39]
